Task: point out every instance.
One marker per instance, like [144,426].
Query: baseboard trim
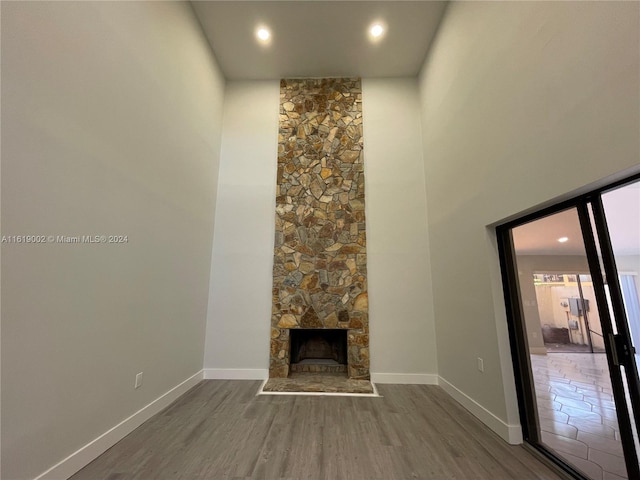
[510,433]
[236,374]
[405,378]
[82,457]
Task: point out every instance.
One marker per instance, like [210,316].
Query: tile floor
[577,412]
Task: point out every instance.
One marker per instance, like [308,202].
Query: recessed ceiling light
[263,34]
[563,239]
[376,30]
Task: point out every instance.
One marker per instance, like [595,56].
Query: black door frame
[618,349]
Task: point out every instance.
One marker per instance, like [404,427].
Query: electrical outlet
[138,380]
[480,364]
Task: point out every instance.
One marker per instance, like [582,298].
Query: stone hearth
[318,383]
[320,260]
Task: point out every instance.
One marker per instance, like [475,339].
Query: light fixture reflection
[563,239]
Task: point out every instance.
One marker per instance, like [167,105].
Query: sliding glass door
[572,294]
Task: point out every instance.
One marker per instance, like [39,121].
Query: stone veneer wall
[320,261]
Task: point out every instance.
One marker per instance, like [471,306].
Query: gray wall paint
[111,118]
[521,103]
[400,297]
[239,318]
[401,319]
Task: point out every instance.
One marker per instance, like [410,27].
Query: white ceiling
[622,209]
[314,38]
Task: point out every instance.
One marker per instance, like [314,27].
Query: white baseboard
[98,446]
[236,374]
[510,433]
[405,378]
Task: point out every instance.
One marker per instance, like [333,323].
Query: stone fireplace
[320,319]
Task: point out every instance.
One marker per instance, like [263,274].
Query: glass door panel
[575,410]
[620,211]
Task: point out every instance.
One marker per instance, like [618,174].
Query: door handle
[621,350]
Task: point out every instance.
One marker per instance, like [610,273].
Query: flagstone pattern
[320,259]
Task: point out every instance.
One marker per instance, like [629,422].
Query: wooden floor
[221,430]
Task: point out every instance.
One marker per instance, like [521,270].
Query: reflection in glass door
[616,216]
[565,303]
[574,318]
[622,210]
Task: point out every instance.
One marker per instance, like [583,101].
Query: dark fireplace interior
[319,347]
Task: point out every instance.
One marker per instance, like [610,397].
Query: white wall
[400,300]
[111,118]
[239,317]
[401,320]
[521,103]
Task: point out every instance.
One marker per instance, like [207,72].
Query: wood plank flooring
[221,430]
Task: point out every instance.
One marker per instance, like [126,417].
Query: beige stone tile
[541,387]
[607,413]
[555,379]
[545,396]
[612,476]
[549,404]
[558,428]
[567,392]
[565,445]
[602,400]
[600,429]
[608,445]
[560,382]
[590,469]
[554,415]
[608,462]
[613,423]
[572,402]
[587,400]
[586,385]
[579,413]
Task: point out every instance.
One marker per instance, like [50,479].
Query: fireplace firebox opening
[318,350]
